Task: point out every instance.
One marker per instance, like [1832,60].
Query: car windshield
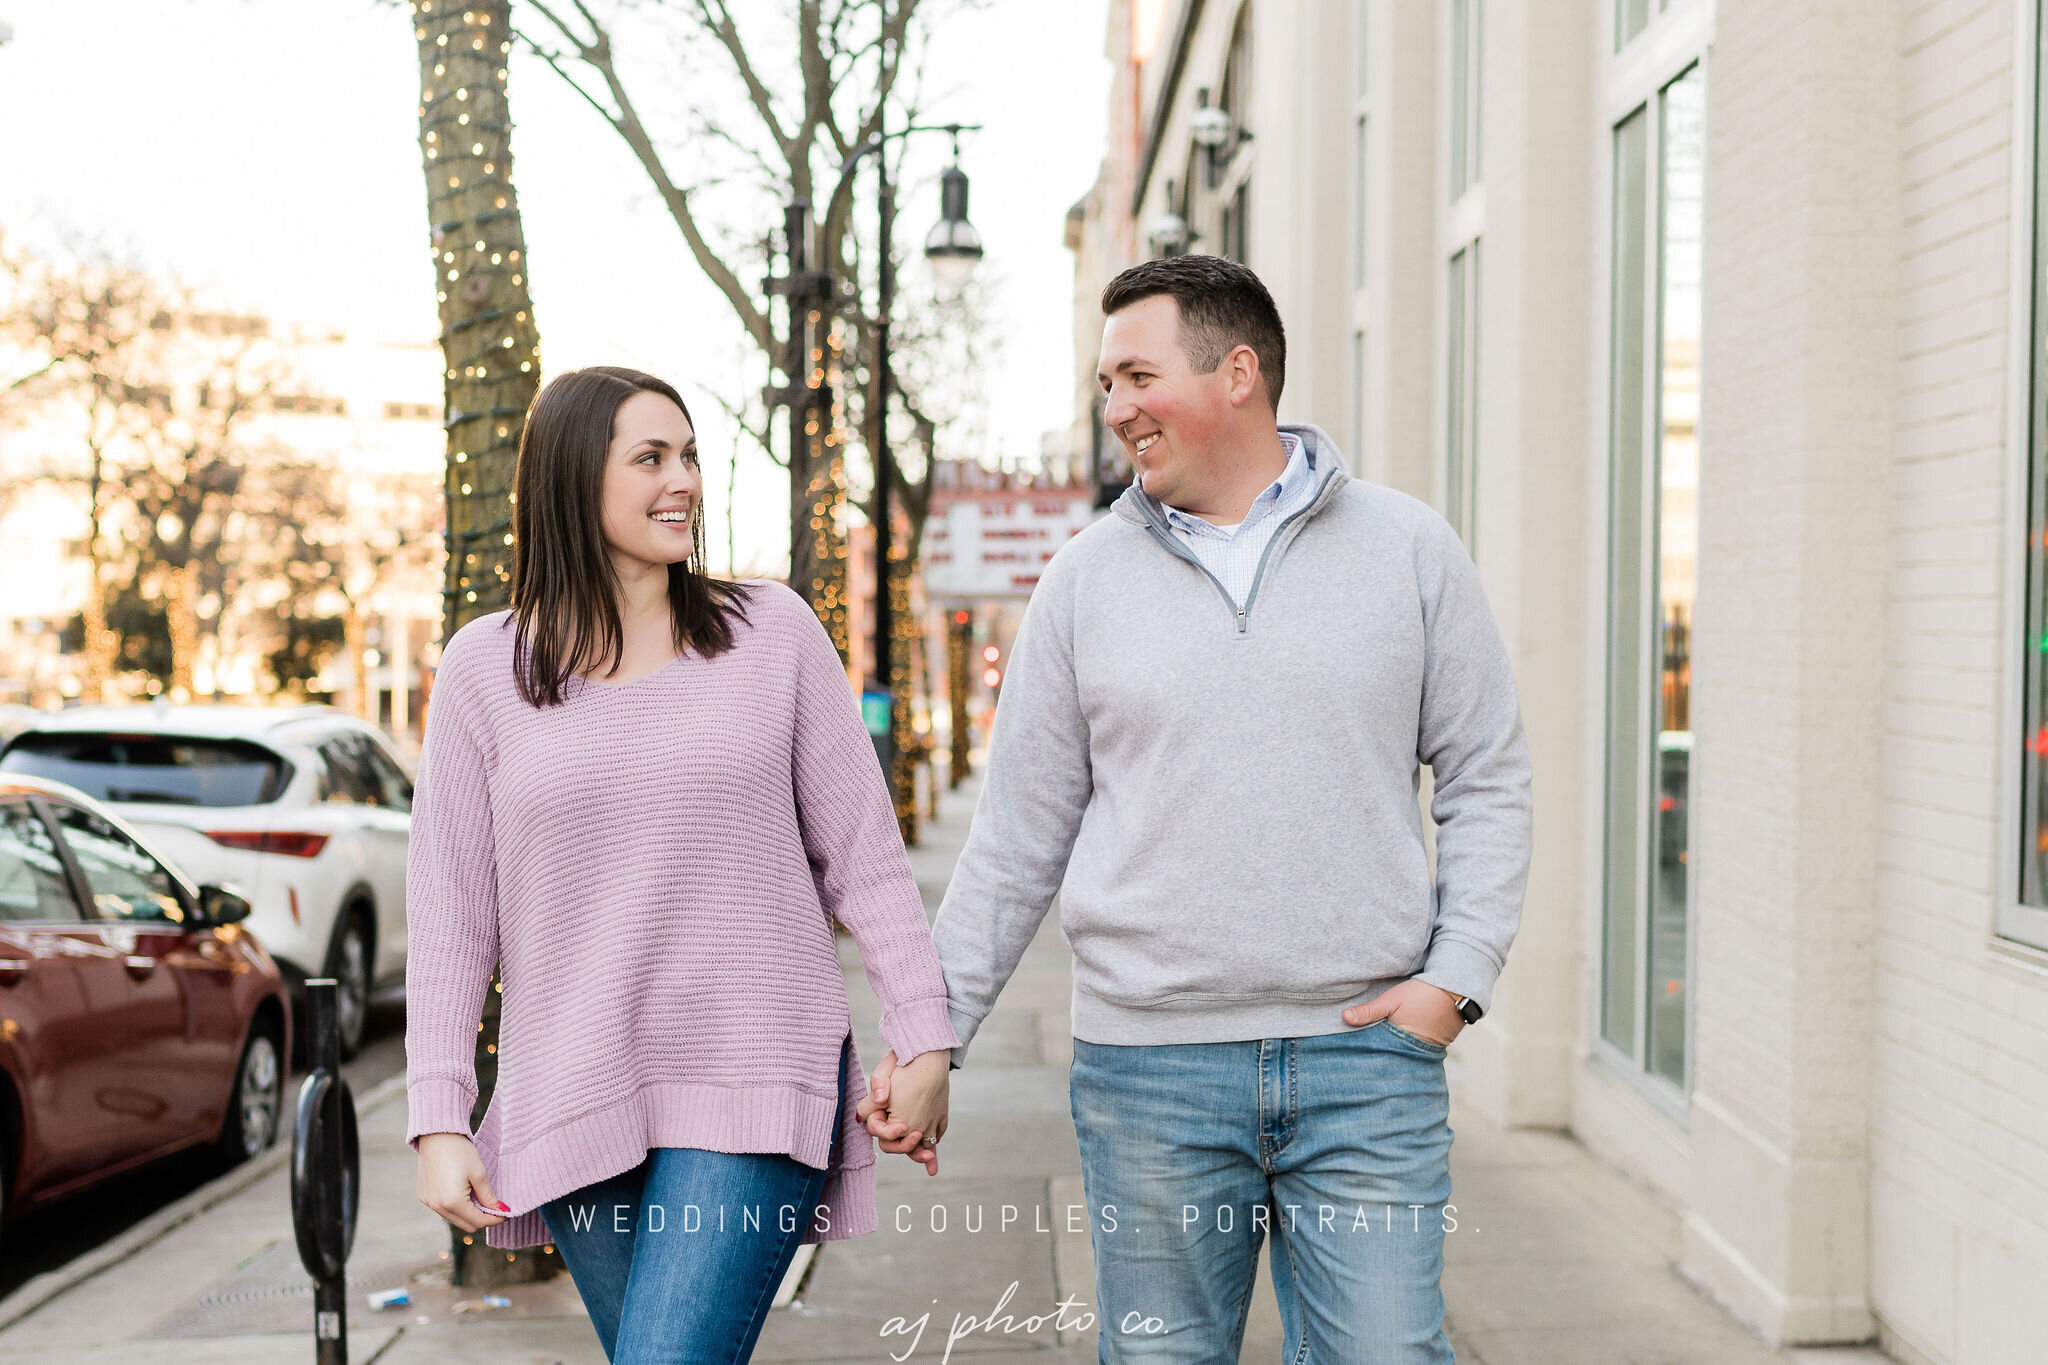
[162,769]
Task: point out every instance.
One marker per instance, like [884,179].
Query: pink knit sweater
[656,866]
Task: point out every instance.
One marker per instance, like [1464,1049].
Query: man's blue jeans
[678,1259]
[1338,1145]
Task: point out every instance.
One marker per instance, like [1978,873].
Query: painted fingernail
[505,1206]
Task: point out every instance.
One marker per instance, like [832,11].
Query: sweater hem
[1214,1019]
[606,1142]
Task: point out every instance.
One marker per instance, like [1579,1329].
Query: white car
[304,809]
[16,718]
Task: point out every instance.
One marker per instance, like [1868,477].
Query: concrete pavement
[1558,1260]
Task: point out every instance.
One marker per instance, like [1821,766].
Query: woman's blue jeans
[1338,1146]
[678,1259]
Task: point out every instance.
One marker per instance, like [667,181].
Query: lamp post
[809,291]
[953,247]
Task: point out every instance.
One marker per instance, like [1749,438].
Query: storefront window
[2029,920]
[1653,493]
[1461,433]
[1466,17]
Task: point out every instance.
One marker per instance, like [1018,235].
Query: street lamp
[953,247]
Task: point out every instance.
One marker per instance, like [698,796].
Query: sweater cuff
[1459,967]
[965,1025]
[437,1107]
[918,1026]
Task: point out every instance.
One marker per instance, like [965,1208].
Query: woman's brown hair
[565,590]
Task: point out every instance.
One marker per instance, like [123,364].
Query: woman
[645,795]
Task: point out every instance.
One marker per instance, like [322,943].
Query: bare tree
[820,78]
[324,571]
[88,334]
[194,449]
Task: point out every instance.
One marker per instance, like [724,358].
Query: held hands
[906,1105]
[1429,1012]
[449,1170]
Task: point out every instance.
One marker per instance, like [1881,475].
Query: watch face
[1470,1009]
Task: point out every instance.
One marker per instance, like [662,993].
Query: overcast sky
[267,150]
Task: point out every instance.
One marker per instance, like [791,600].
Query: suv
[304,808]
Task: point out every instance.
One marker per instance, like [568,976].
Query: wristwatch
[1469,1009]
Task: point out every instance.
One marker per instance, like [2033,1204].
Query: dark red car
[137,1016]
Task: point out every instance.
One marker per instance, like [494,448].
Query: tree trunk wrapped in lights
[489,344]
[490,351]
[904,637]
[822,553]
[959,639]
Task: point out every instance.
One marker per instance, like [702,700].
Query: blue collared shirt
[1232,553]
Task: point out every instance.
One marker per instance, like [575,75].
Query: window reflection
[125,882]
[1677,529]
[2033,851]
[33,887]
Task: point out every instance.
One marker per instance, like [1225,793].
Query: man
[1208,745]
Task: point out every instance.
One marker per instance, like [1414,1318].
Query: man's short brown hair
[1222,305]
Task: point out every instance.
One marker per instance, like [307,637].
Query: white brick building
[1735,305]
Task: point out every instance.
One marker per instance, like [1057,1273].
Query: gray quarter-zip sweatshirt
[1225,798]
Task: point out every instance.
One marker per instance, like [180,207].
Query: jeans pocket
[1434,1049]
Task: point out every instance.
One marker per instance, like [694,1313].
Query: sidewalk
[1558,1259]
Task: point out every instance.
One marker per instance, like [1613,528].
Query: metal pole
[796,231]
[325,1174]
[885,465]
[330,1292]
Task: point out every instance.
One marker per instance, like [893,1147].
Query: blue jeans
[1338,1145]
[678,1259]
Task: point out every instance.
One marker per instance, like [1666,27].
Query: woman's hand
[907,1103]
[449,1170]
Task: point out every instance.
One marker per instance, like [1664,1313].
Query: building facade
[1715,327]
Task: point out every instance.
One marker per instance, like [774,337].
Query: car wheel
[256,1101]
[349,964]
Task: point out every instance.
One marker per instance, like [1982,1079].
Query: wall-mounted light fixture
[1168,233]
[1216,133]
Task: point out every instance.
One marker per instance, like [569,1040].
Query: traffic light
[992,655]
